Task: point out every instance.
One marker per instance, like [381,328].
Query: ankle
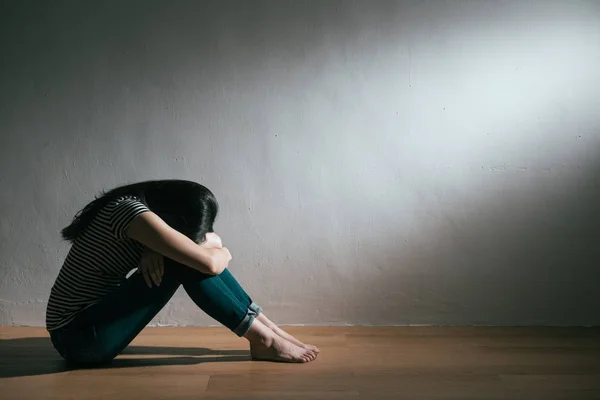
[263,341]
[259,334]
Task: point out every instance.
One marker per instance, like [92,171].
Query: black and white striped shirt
[98,261]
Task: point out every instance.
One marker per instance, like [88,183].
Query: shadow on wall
[526,254]
[41,357]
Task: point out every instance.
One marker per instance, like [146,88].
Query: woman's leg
[231,306]
[102,331]
[216,299]
[237,290]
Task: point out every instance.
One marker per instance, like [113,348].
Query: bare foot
[279,349]
[281,333]
[267,345]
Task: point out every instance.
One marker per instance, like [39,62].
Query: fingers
[146,275]
[161,264]
[228,253]
[151,275]
[152,269]
[155,271]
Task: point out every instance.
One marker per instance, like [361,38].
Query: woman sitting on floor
[165,229]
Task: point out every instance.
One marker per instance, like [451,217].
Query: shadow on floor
[37,356]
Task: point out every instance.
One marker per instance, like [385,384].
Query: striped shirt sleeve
[122,215]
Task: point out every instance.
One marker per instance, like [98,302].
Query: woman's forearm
[150,230]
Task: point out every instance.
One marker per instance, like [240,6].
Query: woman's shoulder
[126,199]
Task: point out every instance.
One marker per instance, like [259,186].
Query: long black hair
[186,206]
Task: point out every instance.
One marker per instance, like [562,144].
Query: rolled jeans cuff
[253,311]
[255,307]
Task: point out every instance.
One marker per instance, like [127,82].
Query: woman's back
[97,263]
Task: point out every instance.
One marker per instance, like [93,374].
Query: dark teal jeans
[102,331]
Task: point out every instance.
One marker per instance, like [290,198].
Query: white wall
[376,162]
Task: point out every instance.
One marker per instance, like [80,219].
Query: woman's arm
[150,230]
[212,240]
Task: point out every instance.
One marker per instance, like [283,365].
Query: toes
[313,348]
[310,356]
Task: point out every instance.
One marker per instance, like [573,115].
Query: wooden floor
[355,363]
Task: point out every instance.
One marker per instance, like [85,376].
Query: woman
[165,229]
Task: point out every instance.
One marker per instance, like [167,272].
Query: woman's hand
[212,241]
[151,267]
[220,255]
[220,259]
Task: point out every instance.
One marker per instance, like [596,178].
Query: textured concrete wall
[376,162]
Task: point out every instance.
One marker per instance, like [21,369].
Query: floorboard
[417,363]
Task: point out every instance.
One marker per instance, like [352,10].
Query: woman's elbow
[212,269]
[218,260]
